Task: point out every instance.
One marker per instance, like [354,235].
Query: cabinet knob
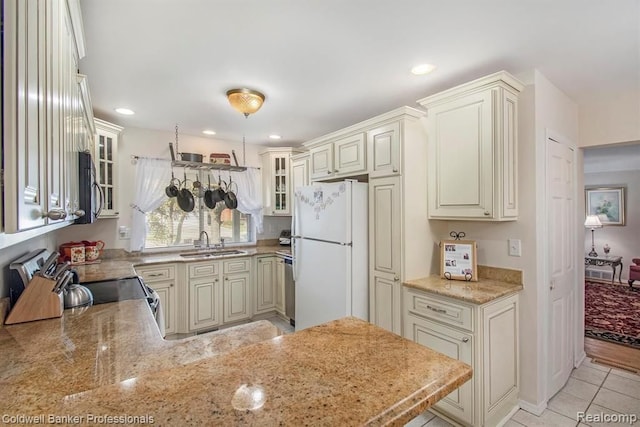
[79,213]
[171,285]
[55,214]
[215,280]
[336,171]
[226,278]
[395,170]
[259,260]
[396,278]
[465,339]
[328,172]
[487,213]
[273,212]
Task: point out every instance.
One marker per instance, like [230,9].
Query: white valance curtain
[152,176]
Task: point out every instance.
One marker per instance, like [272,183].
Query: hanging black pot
[219,193]
[185,198]
[208,196]
[230,199]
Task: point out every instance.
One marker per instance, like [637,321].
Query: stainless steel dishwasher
[289,290]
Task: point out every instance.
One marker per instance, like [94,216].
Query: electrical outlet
[515,247]
[124,232]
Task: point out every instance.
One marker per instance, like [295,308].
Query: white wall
[148,143]
[623,240]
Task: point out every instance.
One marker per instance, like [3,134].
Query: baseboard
[581,357]
[536,410]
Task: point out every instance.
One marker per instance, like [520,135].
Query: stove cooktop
[106,291]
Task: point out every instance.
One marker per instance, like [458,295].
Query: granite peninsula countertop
[480,292]
[111,360]
[118,268]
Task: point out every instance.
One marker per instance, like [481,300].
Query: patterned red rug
[612,313]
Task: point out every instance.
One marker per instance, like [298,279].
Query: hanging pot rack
[197,165]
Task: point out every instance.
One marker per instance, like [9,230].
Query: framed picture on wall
[458,260]
[607,203]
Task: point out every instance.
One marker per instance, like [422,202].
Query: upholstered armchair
[634,271]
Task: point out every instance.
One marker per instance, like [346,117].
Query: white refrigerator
[330,258]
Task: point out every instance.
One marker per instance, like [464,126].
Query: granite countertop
[118,268]
[480,292]
[47,360]
[111,360]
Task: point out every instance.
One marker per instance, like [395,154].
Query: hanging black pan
[230,199]
[185,197]
[219,193]
[208,195]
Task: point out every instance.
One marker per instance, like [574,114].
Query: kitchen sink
[212,254]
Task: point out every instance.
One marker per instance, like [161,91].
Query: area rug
[612,313]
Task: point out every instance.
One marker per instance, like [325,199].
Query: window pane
[170,226]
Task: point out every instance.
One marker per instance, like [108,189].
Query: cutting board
[37,301]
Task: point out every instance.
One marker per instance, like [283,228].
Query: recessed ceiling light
[274,136]
[208,132]
[422,69]
[125,111]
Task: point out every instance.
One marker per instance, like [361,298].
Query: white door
[561,252]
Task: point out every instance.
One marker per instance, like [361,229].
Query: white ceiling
[327,64]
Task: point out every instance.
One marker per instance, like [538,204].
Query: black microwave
[91,196]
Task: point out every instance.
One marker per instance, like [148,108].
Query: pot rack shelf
[199,165]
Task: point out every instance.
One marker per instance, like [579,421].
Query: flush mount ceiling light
[274,136]
[245,101]
[422,69]
[125,111]
[208,132]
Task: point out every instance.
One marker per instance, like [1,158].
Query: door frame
[543,250]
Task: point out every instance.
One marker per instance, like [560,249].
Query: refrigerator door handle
[333,242]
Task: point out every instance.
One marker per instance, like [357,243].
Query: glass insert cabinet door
[106,161]
[280,183]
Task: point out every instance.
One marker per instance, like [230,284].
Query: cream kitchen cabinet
[106,160]
[383,148]
[42,119]
[299,171]
[276,181]
[237,289]
[265,291]
[345,156]
[205,295]
[483,336]
[162,279]
[473,150]
[384,253]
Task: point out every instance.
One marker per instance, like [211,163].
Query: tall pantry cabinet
[47,115]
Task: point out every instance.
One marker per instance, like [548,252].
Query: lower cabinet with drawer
[483,336]
[162,278]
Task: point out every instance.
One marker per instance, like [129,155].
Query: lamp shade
[592,221]
[246,101]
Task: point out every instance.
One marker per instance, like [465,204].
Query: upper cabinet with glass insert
[106,161]
[276,181]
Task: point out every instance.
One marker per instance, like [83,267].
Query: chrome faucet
[199,241]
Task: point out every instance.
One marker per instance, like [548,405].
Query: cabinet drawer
[239,265]
[204,269]
[438,309]
[156,273]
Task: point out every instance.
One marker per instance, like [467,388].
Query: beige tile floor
[592,388]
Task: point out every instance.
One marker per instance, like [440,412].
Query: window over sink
[168,226]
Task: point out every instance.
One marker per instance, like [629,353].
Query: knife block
[37,302]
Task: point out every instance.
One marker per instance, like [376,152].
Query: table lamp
[592,222]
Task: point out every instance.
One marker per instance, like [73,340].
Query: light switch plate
[515,247]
